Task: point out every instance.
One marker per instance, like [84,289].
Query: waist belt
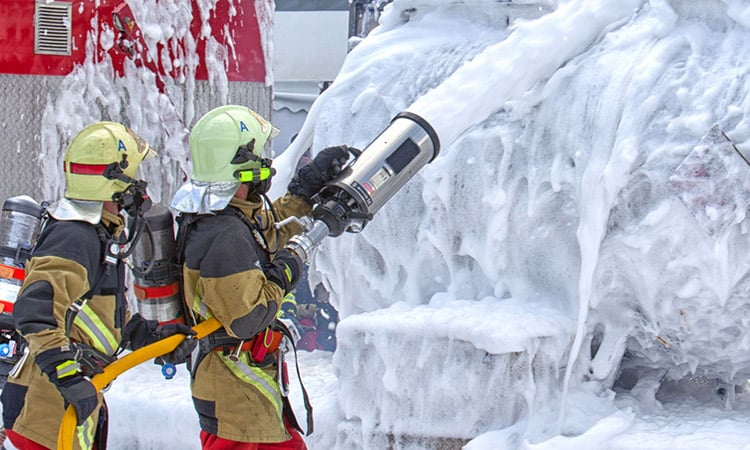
[264,343]
[259,346]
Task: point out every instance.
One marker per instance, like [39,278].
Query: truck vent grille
[52,22]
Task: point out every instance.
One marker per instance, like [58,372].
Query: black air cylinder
[157,282]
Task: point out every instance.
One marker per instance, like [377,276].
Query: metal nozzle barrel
[382,169]
[372,179]
[304,244]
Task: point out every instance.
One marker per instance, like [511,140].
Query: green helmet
[94,149]
[226,141]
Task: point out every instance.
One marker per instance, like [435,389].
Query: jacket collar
[81,210]
[204,197]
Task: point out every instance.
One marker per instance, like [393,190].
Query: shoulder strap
[254,229]
[185,222]
[109,260]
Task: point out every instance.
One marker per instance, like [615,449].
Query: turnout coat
[235,397]
[66,264]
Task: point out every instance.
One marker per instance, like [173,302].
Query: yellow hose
[100,381]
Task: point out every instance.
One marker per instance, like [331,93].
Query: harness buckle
[112,254]
[78,305]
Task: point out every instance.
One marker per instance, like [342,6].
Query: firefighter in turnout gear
[71,308]
[236,269]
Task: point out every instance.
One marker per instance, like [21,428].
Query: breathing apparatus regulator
[134,200]
[368,181]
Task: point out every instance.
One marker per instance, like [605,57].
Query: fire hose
[68,426]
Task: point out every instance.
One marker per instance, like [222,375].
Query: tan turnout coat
[223,278]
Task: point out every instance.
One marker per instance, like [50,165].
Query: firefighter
[71,308]
[237,270]
[316,317]
[326,320]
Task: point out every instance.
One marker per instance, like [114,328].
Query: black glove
[182,352]
[285,270]
[326,166]
[91,361]
[62,369]
[288,306]
[139,332]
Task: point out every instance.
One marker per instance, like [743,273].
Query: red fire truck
[42,41]
[49,37]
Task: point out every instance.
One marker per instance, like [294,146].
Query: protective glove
[91,362]
[326,166]
[62,370]
[182,352]
[139,332]
[285,270]
[288,306]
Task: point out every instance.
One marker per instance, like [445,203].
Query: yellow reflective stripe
[200,308]
[101,337]
[85,432]
[67,368]
[289,298]
[256,377]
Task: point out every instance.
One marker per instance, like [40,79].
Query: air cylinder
[157,281]
[20,221]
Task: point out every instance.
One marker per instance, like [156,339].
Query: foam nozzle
[381,170]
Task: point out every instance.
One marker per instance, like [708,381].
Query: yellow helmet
[95,153]
[227,141]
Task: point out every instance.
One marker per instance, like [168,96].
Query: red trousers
[23,443]
[208,442]
[213,442]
